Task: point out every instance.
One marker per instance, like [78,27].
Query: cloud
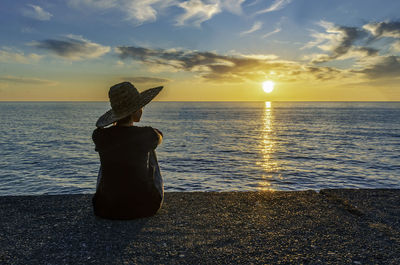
[396,46]
[183,60]
[263,57]
[340,42]
[227,68]
[277,5]
[145,79]
[72,47]
[384,29]
[349,42]
[233,6]
[27,80]
[271,33]
[347,37]
[386,67]
[336,42]
[36,12]
[360,53]
[256,26]
[8,56]
[340,39]
[139,11]
[196,12]
[143,11]
[253,3]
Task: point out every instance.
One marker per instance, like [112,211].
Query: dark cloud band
[72,48]
[388,67]
[144,79]
[215,67]
[384,29]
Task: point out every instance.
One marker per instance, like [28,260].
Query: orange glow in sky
[201,50]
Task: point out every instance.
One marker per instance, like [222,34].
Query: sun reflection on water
[267,148]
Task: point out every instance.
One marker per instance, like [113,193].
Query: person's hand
[160,135]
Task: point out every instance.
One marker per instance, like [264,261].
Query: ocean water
[46,147]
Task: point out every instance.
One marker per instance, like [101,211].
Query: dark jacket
[126,189]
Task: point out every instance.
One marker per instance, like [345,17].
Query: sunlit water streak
[267,146]
[46,148]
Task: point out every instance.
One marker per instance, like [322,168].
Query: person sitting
[129,183]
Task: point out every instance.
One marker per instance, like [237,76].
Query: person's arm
[160,136]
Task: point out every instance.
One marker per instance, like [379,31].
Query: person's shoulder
[96,133]
[140,128]
[147,130]
[151,134]
[98,129]
[100,132]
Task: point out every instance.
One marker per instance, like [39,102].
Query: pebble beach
[339,226]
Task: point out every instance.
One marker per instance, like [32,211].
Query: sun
[268,86]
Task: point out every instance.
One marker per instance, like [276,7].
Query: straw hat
[125,99]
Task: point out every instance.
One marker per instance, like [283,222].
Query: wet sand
[333,226]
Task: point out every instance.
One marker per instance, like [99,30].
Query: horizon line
[199,101]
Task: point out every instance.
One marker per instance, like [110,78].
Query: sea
[46,147]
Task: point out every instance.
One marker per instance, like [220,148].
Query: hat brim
[144,98]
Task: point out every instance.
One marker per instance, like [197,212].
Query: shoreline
[347,226]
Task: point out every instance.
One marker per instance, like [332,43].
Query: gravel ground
[329,227]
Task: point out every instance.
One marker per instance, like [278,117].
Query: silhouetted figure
[129,184]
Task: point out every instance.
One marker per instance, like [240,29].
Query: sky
[201,50]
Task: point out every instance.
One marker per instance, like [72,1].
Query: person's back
[128,185]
